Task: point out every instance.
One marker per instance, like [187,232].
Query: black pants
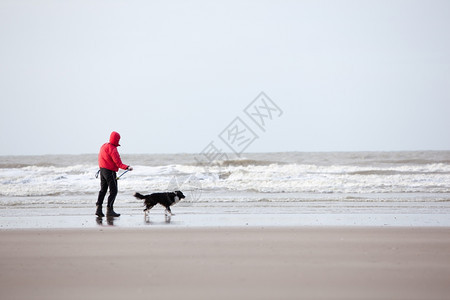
[108,178]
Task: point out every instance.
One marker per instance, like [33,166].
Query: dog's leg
[147,210]
[168,211]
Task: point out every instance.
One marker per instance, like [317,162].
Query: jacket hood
[114,138]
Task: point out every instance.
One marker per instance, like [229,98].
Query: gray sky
[170,76]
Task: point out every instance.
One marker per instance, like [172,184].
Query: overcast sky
[172,76]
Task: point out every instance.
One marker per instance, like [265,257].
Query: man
[109,162]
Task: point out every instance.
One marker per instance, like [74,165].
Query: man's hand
[129,168]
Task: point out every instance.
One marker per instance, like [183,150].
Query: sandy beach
[226,263]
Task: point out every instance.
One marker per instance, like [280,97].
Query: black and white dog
[165,199]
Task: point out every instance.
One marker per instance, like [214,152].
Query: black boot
[99,212]
[111,213]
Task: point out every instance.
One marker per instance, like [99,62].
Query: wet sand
[226,263]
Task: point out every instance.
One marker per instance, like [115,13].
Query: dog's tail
[139,196]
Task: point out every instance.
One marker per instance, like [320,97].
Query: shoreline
[226,220]
[224,263]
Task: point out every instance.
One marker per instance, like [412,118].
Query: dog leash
[118,177]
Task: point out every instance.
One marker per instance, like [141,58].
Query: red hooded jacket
[109,157]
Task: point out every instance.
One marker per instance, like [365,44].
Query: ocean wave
[395,172]
[260,175]
[247,162]
[413,161]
